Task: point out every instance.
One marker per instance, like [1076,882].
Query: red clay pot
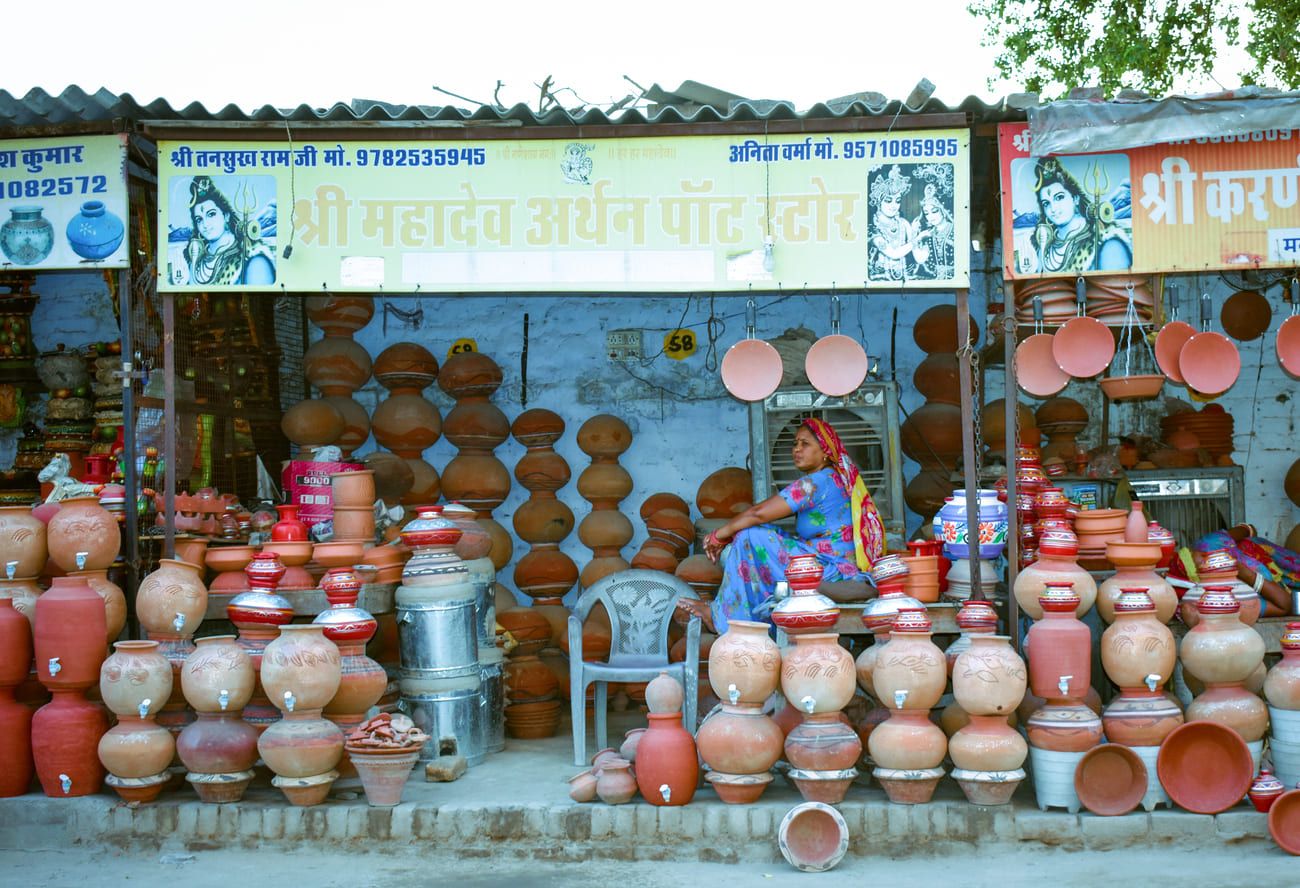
[288,528]
[65,744]
[667,765]
[15,718]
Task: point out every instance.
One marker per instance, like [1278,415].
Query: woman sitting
[836,521]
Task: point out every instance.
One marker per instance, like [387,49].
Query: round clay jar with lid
[1137,645]
[745,657]
[1057,554]
[910,663]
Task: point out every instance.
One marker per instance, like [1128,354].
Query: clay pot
[604,485]
[218,676]
[739,739]
[392,474]
[336,366]
[1065,726]
[1220,648]
[907,741]
[135,673]
[813,837]
[288,528]
[667,769]
[546,573]
[937,378]
[1196,786]
[356,423]
[664,695]
[114,599]
[469,374]
[822,742]
[22,540]
[817,675]
[989,679]
[15,718]
[406,424]
[1137,644]
[476,425]
[701,574]
[725,493]
[354,523]
[543,519]
[1282,684]
[172,599]
[65,740]
[384,776]
[936,329]
[83,525]
[1135,568]
[1141,717]
[340,315]
[312,423]
[303,664]
[746,658]
[987,743]
[479,480]
[615,783]
[405,367]
[23,592]
[582,786]
[653,557]
[1057,562]
[69,635]
[302,744]
[219,750]
[1060,647]
[137,748]
[931,435]
[910,665]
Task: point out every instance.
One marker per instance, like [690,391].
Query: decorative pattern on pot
[134,682]
[1222,652]
[1138,654]
[604,484]
[951,525]
[988,681]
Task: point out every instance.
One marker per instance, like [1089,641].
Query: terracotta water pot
[987,743]
[302,744]
[746,658]
[1220,648]
[303,666]
[354,523]
[910,664]
[405,367]
[1056,562]
[336,365]
[667,769]
[219,751]
[258,615]
[340,315]
[1064,725]
[989,678]
[134,673]
[69,635]
[725,493]
[113,596]
[822,742]
[1282,684]
[172,599]
[23,592]
[664,695]
[907,740]
[406,424]
[218,676]
[820,671]
[1135,568]
[739,739]
[15,718]
[355,488]
[83,525]
[1060,646]
[136,752]
[22,540]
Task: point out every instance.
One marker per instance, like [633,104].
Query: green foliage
[1051,46]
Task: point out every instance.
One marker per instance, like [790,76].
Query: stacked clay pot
[922,581]
[84,536]
[353,501]
[258,614]
[15,718]
[909,677]
[113,596]
[669,533]
[362,681]
[69,647]
[301,672]
[725,494]
[1138,654]
[170,604]
[135,681]
[1222,652]
[817,678]
[604,484]
[23,555]
[337,365]
[533,703]
[1282,690]
[976,617]
[406,422]
[988,682]
[1219,568]
[878,616]
[544,573]
[475,477]
[738,742]
[219,749]
[1061,419]
[1135,567]
[667,762]
[804,610]
[1057,561]
[1060,672]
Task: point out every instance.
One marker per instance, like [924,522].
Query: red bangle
[713,535]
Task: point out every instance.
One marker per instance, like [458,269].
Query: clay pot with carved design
[817,675]
[910,663]
[22,540]
[745,658]
[83,525]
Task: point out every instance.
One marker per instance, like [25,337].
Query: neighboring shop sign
[1215,203]
[63,203]
[682,213]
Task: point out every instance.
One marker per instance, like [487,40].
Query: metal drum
[482,574]
[450,712]
[437,637]
[493,720]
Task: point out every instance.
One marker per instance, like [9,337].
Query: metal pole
[169,424]
[126,309]
[1012,440]
[968,443]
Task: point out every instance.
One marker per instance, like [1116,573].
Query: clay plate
[836,365]
[1110,780]
[1083,347]
[1288,345]
[1245,315]
[1205,767]
[1209,363]
[1284,821]
[1169,343]
[1036,369]
[751,369]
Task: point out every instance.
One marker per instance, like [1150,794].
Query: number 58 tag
[679,344]
[462,345]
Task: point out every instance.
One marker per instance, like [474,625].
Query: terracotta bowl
[1110,780]
[1284,821]
[293,553]
[1132,388]
[1205,767]
[739,789]
[338,553]
[813,837]
[228,558]
[1123,554]
[1099,521]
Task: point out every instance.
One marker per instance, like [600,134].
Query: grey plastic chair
[640,604]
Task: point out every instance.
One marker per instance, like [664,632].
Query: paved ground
[991,868]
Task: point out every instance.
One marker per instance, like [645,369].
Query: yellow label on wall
[462,345]
[680,344]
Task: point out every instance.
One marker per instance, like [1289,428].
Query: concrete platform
[516,804]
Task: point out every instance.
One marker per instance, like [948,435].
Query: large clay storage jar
[23,592]
[744,664]
[667,765]
[22,541]
[989,677]
[172,600]
[313,423]
[258,615]
[15,718]
[1282,684]
[83,525]
[1222,652]
[69,645]
[1060,646]
[135,681]
[1057,554]
[303,664]
[336,366]
[910,663]
[988,681]
[113,597]
[218,675]
[477,427]
[220,748]
[1135,565]
[1138,653]
[739,739]
[340,315]
[817,675]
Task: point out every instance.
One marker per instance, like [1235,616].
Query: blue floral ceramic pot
[95,233]
[950,525]
[27,237]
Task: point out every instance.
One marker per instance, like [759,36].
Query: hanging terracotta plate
[751,369]
[1083,347]
[836,365]
[1036,370]
[1288,345]
[1169,343]
[1110,780]
[1205,767]
[1245,315]
[1209,363]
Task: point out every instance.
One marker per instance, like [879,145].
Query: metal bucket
[437,638]
[493,721]
[452,719]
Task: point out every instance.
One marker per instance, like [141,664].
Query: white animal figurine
[65,487]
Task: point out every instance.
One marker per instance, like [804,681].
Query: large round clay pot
[15,718]
[134,673]
[406,424]
[356,422]
[172,599]
[745,658]
[336,366]
[1137,644]
[1282,684]
[543,519]
[1068,726]
[1220,648]
[219,750]
[817,675]
[937,379]
[931,435]
[545,573]
[393,475]
[469,374]
[989,679]
[218,676]
[476,425]
[69,635]
[312,423]
[936,329]
[22,540]
[823,742]
[302,744]
[113,596]
[907,741]
[987,743]
[23,592]
[340,315]
[725,493]
[83,525]
[474,542]
[667,764]
[1234,707]
[405,367]
[1141,717]
[739,739]
[303,664]
[479,480]
[137,747]
[1060,646]
[65,743]
[604,437]
[426,486]
[1135,568]
[1057,554]
[911,665]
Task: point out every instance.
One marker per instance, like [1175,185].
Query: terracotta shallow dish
[1245,315]
[1288,345]
[1083,347]
[1205,767]
[1169,344]
[1284,821]
[1209,363]
[1036,368]
[1110,780]
[751,369]
[836,365]
[813,837]
[1132,388]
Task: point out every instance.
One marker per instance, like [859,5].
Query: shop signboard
[885,210]
[63,203]
[1197,205]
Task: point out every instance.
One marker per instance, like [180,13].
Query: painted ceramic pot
[339,315]
[667,769]
[405,367]
[739,739]
[1060,646]
[1265,790]
[302,669]
[1064,726]
[288,528]
[95,233]
[976,617]
[336,365]
[218,676]
[744,658]
[1282,685]
[989,679]
[172,599]
[15,718]
[910,664]
[135,674]
[82,525]
[27,237]
[1141,716]
[22,542]
[1137,644]
[817,675]
[951,526]
[880,612]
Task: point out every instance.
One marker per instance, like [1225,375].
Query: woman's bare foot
[693,607]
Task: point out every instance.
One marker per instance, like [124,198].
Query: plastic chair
[640,604]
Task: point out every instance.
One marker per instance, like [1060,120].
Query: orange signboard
[1202,204]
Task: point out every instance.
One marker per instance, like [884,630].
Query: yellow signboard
[674,213]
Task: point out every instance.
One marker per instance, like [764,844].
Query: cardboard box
[307,485]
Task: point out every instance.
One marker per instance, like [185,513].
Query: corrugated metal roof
[688,104]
